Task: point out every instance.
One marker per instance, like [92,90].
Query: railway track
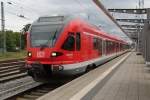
[31,90]
[28,89]
[34,93]
[15,88]
[17,85]
[10,70]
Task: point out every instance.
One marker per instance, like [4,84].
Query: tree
[1,41]
[13,39]
[26,28]
[23,35]
[10,41]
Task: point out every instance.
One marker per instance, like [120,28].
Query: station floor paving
[131,81]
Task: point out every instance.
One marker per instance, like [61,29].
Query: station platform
[131,81]
[125,78]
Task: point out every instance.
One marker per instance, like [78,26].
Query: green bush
[12,40]
[12,55]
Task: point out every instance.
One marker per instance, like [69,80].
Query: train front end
[42,49]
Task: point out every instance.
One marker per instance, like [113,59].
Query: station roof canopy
[130,32]
[132,20]
[132,29]
[129,11]
[132,26]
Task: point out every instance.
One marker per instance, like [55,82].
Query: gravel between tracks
[14,83]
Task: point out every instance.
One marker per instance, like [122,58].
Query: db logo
[40,54]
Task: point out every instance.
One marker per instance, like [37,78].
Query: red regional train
[66,45]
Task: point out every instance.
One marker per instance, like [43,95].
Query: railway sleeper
[9,70]
[9,74]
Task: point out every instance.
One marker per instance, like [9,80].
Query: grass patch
[12,55]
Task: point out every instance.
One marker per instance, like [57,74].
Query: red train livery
[67,45]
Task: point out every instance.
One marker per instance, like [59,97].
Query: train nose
[56,54]
[57,68]
[37,54]
[41,54]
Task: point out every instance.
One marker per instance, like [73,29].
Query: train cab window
[78,41]
[69,43]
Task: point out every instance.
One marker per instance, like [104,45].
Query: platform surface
[131,81]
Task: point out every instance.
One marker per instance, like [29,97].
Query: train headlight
[29,54]
[54,54]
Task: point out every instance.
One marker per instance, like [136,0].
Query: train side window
[95,43]
[78,41]
[104,47]
[69,42]
[100,46]
[108,46]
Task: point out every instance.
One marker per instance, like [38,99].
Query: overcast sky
[35,8]
[32,9]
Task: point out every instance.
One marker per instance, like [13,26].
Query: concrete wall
[145,42]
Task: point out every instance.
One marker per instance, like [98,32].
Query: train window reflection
[78,41]
[69,43]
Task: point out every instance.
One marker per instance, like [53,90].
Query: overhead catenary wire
[22,10]
[12,13]
[24,7]
[14,5]
[18,15]
[21,16]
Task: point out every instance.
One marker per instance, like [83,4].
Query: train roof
[113,37]
[103,33]
[54,19]
[64,19]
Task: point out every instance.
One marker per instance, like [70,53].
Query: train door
[104,47]
[95,52]
[118,47]
[100,49]
[78,46]
[85,52]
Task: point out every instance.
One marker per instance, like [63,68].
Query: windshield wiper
[49,44]
[54,37]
